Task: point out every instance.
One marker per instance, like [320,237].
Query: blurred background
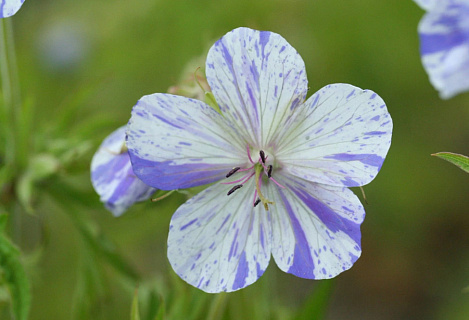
[84,64]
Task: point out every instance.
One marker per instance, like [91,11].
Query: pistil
[259,168]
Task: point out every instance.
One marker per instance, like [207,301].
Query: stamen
[262,154]
[269,171]
[272,179]
[257,202]
[232,172]
[242,180]
[249,153]
[234,189]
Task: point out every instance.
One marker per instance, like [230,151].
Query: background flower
[112,175]
[9,7]
[444,45]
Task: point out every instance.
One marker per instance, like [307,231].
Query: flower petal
[112,176]
[315,229]
[257,78]
[9,7]
[176,142]
[429,4]
[444,46]
[218,242]
[340,137]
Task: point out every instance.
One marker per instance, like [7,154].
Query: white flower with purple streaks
[444,44]
[112,176]
[9,7]
[281,165]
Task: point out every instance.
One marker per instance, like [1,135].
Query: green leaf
[315,306]
[40,167]
[456,159]
[24,192]
[13,275]
[161,311]
[134,313]
[3,219]
[103,247]
[43,166]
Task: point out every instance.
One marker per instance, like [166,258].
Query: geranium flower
[444,44]
[282,165]
[112,176]
[9,7]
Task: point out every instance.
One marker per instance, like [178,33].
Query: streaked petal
[218,242]
[176,142]
[429,4]
[258,78]
[9,7]
[315,229]
[340,137]
[112,176]
[444,46]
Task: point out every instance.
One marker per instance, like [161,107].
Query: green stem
[7,96]
[15,129]
[15,81]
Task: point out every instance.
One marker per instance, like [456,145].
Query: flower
[9,7]
[282,165]
[444,44]
[112,176]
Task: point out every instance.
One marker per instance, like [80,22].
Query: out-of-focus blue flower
[282,165]
[9,7]
[112,176]
[63,46]
[444,44]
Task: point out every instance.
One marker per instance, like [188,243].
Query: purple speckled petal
[340,137]
[9,7]
[112,176]
[218,242]
[176,142]
[315,228]
[429,4]
[258,79]
[444,46]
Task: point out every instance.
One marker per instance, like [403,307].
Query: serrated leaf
[15,278]
[135,314]
[456,159]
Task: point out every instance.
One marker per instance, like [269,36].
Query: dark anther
[257,202]
[269,171]
[232,172]
[236,187]
[262,154]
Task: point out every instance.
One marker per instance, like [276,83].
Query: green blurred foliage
[84,64]
[458,160]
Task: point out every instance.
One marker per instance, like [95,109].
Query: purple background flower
[113,178]
[444,45]
[9,7]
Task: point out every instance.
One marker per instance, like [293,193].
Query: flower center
[257,170]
